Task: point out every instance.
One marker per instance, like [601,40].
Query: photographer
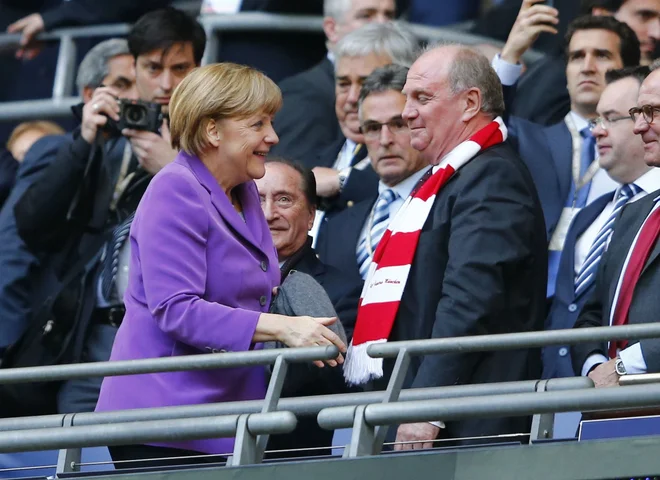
[79,214]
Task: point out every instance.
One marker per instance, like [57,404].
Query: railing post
[68,459]
[212,49]
[65,69]
[245,445]
[272,399]
[392,393]
[543,423]
[363,438]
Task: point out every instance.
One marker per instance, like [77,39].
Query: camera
[136,115]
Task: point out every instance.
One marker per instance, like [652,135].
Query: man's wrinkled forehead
[649,93]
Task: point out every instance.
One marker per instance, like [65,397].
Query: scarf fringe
[359,367]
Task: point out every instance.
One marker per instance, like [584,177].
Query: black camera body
[139,115]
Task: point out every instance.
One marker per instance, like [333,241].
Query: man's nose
[165,82]
[353,94]
[654,29]
[386,136]
[589,63]
[408,112]
[641,125]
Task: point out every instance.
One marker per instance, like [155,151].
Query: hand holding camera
[103,106]
[152,150]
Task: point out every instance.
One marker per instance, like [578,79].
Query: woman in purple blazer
[203,265]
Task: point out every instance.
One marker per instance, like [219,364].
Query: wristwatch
[619,367]
[343,176]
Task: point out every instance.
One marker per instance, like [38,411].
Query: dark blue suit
[548,154]
[565,307]
[338,237]
[16,260]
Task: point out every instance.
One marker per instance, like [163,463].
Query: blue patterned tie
[587,273]
[380,220]
[111,261]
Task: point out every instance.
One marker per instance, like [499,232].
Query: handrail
[298,405]
[639,396]
[171,364]
[513,341]
[214,25]
[144,431]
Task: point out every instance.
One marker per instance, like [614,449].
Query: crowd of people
[391,192]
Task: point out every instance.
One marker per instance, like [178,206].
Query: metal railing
[369,412]
[214,25]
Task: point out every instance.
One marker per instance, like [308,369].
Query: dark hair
[163,28]
[308,185]
[639,73]
[587,6]
[629,45]
[389,77]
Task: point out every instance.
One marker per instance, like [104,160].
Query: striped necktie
[380,218]
[111,261]
[587,273]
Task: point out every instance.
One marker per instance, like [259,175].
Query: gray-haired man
[108,63]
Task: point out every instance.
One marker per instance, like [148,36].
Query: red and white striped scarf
[388,273]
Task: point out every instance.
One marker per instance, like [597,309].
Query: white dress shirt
[632,357]
[403,190]
[649,182]
[211,7]
[345,155]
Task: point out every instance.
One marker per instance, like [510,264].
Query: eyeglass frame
[606,123]
[640,110]
[377,132]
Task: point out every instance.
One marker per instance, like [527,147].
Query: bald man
[479,263]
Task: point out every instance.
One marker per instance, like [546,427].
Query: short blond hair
[42,126]
[216,92]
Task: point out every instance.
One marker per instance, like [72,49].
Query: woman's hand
[300,332]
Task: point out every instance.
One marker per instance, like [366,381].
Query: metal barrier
[359,409]
[214,25]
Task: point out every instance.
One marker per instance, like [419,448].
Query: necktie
[641,251]
[587,273]
[111,261]
[375,230]
[358,154]
[587,156]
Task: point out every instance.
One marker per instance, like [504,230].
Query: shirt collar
[406,186]
[649,182]
[580,123]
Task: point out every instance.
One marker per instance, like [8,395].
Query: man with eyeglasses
[628,279]
[349,239]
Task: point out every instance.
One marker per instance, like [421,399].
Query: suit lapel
[561,152]
[654,254]
[566,286]
[252,228]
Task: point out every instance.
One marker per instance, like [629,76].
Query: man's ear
[473,104]
[312,211]
[87,94]
[330,29]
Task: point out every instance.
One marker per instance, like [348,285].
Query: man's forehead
[357,5]
[177,53]
[594,39]
[619,96]
[651,86]
[389,103]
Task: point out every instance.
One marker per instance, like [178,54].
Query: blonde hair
[42,126]
[216,92]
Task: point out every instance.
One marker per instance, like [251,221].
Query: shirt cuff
[507,72]
[592,361]
[633,359]
[438,424]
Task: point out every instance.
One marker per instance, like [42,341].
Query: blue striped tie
[111,261]
[587,273]
[380,220]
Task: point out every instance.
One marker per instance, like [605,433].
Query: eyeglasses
[648,111]
[373,129]
[605,123]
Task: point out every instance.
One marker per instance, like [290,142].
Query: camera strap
[124,176]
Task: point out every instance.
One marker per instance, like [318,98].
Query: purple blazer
[199,278]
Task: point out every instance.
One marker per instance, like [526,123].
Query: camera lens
[136,114]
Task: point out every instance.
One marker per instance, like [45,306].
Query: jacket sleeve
[170,233]
[41,212]
[591,315]
[492,236]
[91,12]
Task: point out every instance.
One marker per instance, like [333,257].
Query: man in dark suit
[343,173]
[307,120]
[562,157]
[541,95]
[77,210]
[622,156]
[108,63]
[479,264]
[342,241]
[628,278]
[288,199]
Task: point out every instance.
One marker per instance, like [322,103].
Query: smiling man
[349,239]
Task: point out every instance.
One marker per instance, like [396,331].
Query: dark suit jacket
[17,262]
[8,168]
[565,306]
[548,154]
[338,237]
[479,268]
[307,121]
[644,306]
